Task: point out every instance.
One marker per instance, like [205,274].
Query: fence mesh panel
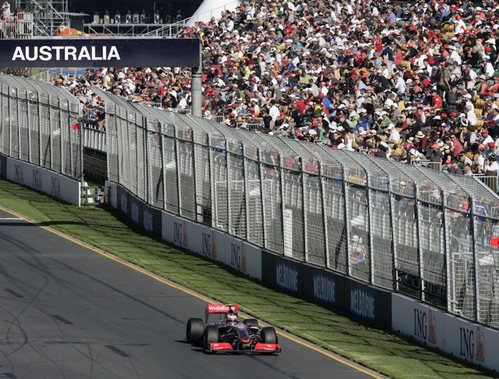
[314,217]
[155,168]
[254,198]
[201,168]
[380,231]
[485,209]
[461,265]
[218,159]
[237,195]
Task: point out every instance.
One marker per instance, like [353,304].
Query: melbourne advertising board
[151,52]
[325,287]
[436,328]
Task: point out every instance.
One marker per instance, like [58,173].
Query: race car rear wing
[218,309]
[221,308]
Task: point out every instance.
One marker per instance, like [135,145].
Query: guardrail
[490,179]
[94,138]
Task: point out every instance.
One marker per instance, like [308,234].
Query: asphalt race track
[69,312]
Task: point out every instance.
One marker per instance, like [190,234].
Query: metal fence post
[80,140]
[347,227]
[369,218]
[136,138]
[245,186]
[147,193]
[447,253]
[193,160]
[175,144]
[325,231]
[163,163]
[28,126]
[304,211]
[61,142]
[262,204]
[18,124]
[476,292]
[394,245]
[212,183]
[10,123]
[227,181]
[40,160]
[70,142]
[281,193]
[420,252]
[51,140]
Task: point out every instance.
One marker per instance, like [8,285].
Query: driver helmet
[231,316]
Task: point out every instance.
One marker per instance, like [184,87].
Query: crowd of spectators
[415,81]
[10,27]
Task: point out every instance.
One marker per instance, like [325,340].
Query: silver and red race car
[224,332]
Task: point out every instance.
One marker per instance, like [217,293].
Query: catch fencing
[404,228]
[39,125]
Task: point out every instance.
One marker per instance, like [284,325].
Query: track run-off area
[69,310]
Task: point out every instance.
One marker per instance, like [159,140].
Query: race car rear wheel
[194,330]
[268,335]
[210,336]
[251,322]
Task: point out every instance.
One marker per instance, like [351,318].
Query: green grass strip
[377,349]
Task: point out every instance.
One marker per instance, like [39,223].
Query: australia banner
[132,52]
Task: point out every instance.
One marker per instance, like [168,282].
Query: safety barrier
[474,343]
[409,229]
[39,125]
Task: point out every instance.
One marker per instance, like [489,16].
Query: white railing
[19,25]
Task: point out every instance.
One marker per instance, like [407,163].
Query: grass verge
[379,350]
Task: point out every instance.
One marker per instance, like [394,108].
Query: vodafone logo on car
[218,308]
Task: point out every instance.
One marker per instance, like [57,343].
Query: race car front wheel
[268,335]
[195,329]
[210,336]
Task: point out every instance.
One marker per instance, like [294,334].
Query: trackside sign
[155,52]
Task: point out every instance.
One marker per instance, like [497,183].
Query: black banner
[136,211]
[325,287]
[156,220]
[135,52]
[3,166]
[144,216]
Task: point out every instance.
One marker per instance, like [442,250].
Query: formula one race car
[228,334]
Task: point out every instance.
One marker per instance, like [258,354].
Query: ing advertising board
[437,328]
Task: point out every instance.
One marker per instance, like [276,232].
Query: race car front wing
[220,347]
